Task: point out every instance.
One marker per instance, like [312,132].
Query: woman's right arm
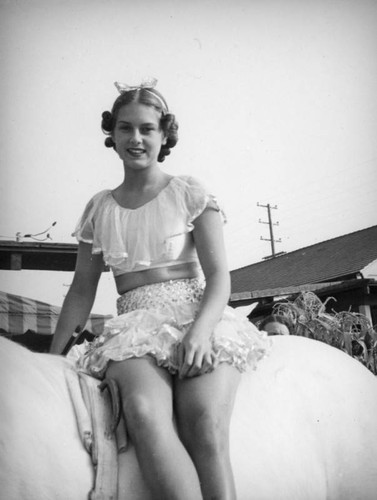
[80,297]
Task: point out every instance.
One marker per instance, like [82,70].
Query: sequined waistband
[161,295]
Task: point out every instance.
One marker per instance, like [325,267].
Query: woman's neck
[141,179]
[137,190]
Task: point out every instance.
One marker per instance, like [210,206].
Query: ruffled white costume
[158,234]
[153,319]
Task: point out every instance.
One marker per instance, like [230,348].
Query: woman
[275,325]
[175,348]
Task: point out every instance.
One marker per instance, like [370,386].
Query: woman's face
[138,136]
[275,328]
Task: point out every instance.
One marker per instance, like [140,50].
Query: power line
[270,224]
[19,235]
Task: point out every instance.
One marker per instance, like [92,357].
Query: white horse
[304,427]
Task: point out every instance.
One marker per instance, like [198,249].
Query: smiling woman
[152,99]
[137,135]
[175,346]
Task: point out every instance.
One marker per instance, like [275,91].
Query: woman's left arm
[196,356]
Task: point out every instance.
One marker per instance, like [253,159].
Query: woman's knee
[140,414]
[146,394]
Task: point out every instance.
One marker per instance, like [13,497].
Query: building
[344,268]
[16,255]
[28,321]
[32,322]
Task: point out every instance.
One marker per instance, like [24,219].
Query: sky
[275,100]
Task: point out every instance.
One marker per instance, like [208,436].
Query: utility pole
[270,224]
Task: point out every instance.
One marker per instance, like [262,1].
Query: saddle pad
[94,418]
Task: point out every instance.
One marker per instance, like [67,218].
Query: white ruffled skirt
[153,319]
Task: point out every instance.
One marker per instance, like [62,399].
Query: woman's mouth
[135,152]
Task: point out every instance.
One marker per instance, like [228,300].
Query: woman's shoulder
[101,195]
[196,196]
[188,183]
[98,199]
[187,180]
[95,204]
[187,189]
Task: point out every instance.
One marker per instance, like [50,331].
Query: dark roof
[18,255]
[34,246]
[323,289]
[332,260]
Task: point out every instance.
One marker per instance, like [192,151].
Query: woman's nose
[136,137]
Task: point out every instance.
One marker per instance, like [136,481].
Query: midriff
[129,281]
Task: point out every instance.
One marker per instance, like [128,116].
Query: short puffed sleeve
[84,230]
[197,199]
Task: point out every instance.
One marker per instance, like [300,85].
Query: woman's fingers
[194,363]
[187,364]
[207,366]
[186,357]
[181,360]
[180,356]
[214,360]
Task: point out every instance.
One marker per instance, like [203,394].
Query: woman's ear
[164,140]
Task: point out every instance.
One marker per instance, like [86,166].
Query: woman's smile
[136,152]
[138,136]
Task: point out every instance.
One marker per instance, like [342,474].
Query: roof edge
[301,249]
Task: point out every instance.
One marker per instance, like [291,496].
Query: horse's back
[41,455]
[303,428]
[304,425]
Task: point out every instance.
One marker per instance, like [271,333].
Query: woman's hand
[195,355]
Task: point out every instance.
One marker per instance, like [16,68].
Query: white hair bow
[147,83]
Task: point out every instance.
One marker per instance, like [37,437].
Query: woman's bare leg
[203,407]
[146,392]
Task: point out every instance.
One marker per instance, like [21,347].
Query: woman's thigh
[210,396]
[144,386]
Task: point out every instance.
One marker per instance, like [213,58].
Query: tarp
[21,314]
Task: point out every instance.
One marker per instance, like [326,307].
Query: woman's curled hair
[168,122]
